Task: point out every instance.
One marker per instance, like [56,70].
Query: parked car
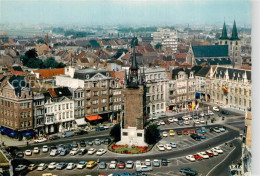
[138,164]
[171,120]
[203,155]
[82,143]
[196,121]
[45,148]
[61,165]
[53,147]
[167,146]
[91,164]
[74,151]
[90,142]
[101,152]
[74,144]
[217,149]
[70,166]
[188,171]
[172,144]
[129,164]
[156,163]
[192,131]
[201,135]
[67,134]
[40,140]
[197,157]
[180,122]
[209,153]
[80,132]
[165,134]
[160,147]
[68,147]
[186,122]
[179,132]
[107,141]
[28,152]
[222,129]
[20,168]
[52,165]
[81,165]
[171,132]
[102,165]
[217,130]
[41,167]
[97,142]
[91,151]
[203,129]
[64,152]
[202,114]
[54,152]
[82,151]
[202,121]
[121,165]
[215,108]
[147,162]
[54,137]
[195,137]
[164,162]
[185,132]
[36,150]
[112,165]
[144,168]
[31,167]
[190,158]
[19,155]
[211,113]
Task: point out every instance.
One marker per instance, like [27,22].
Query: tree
[116,132]
[50,63]
[152,133]
[158,46]
[32,53]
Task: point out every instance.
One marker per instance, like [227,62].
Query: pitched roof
[117,75]
[214,61]
[180,56]
[50,73]
[203,71]
[224,33]
[234,35]
[18,82]
[127,56]
[233,73]
[60,92]
[210,51]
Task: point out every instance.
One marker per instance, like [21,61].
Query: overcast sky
[111,12]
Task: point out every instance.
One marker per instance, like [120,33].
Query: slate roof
[214,61]
[177,70]
[94,43]
[82,74]
[60,92]
[232,73]
[210,51]
[18,82]
[203,71]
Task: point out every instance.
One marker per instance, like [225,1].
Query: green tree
[32,53]
[152,133]
[158,46]
[50,63]
[116,132]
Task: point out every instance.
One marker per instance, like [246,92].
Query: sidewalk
[226,108]
[8,141]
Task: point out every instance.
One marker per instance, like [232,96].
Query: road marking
[221,162]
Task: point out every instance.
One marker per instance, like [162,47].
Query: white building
[167,37]
[157,90]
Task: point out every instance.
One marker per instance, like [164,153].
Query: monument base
[132,136]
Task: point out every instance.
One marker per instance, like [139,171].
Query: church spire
[234,35]
[133,71]
[224,33]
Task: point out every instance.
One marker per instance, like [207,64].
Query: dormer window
[107,74]
[87,76]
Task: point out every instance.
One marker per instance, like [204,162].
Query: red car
[185,132]
[209,153]
[192,131]
[121,165]
[197,157]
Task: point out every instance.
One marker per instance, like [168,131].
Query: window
[125,133]
[67,106]
[95,93]
[104,100]
[95,102]
[95,85]
[139,134]
[95,110]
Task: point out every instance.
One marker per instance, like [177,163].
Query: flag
[224,89]
[193,105]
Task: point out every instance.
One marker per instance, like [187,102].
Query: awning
[93,117]
[14,133]
[81,121]
[28,133]
[7,131]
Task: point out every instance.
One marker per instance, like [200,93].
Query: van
[67,134]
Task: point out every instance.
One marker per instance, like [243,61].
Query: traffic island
[125,149]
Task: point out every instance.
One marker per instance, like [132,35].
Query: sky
[125,12]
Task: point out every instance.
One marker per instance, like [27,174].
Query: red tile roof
[50,73]
[117,75]
[53,93]
[180,56]
[126,56]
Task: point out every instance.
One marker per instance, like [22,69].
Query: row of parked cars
[215,151]
[73,149]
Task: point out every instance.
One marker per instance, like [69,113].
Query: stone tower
[234,44]
[134,118]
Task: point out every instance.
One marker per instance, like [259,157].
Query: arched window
[236,43]
[226,42]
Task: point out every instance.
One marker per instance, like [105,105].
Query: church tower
[234,44]
[134,116]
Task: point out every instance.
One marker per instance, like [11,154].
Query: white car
[129,164]
[202,121]
[217,149]
[158,123]
[54,152]
[196,121]
[41,167]
[45,148]
[36,150]
[165,134]
[160,147]
[112,165]
[148,162]
[175,120]
[20,168]
[28,152]
[138,164]
[70,166]
[162,122]
[203,155]
[39,140]
[171,120]
[211,113]
[185,117]
[214,152]
[167,146]
[52,165]
[101,152]
[217,130]
[81,165]
[186,122]
[215,108]
[172,144]
[202,114]
[222,129]
[190,158]
[74,151]
[91,151]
